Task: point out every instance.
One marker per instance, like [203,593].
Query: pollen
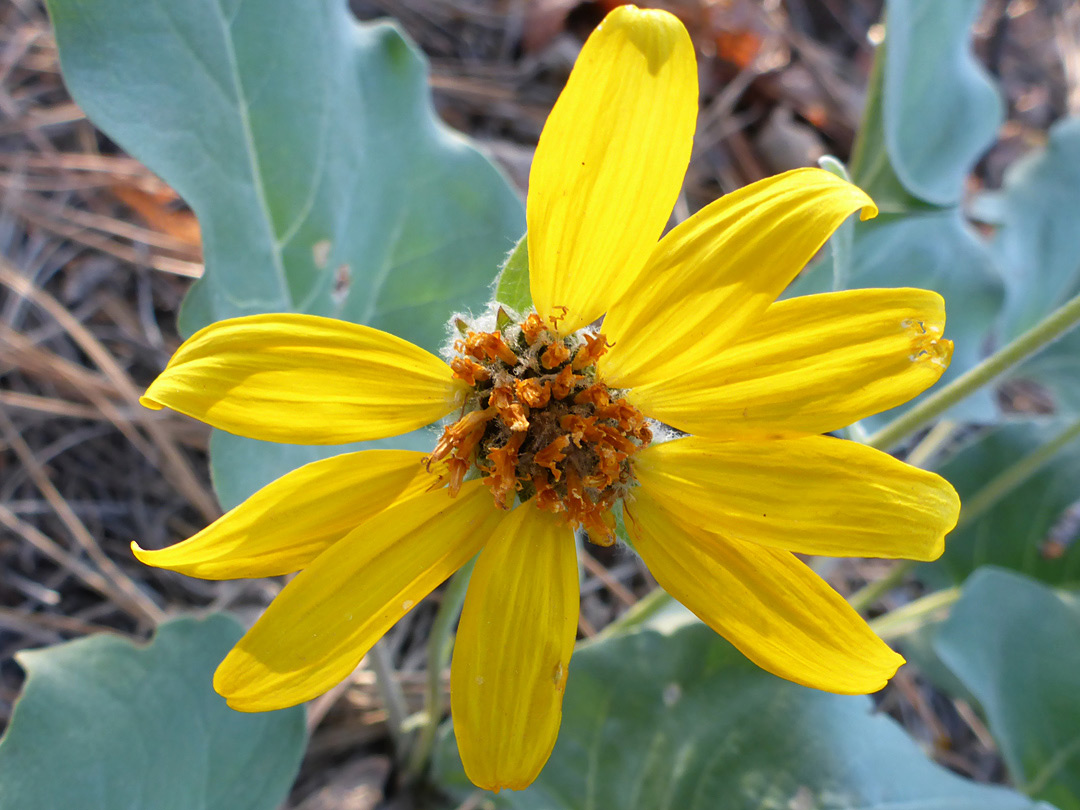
[540,423]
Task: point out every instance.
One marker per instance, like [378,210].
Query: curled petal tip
[147,556]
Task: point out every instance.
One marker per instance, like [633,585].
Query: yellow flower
[552,415]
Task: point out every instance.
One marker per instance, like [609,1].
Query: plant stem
[440,645]
[928,447]
[1016,474]
[974,507]
[1047,330]
[390,692]
[870,594]
[643,610]
[913,615]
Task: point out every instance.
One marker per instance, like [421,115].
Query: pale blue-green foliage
[941,110]
[682,720]
[932,110]
[931,113]
[1036,238]
[104,724]
[1013,644]
[1012,533]
[1037,246]
[307,145]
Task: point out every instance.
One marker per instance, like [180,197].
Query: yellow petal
[714,274]
[513,648]
[323,622]
[814,495]
[809,365]
[610,163]
[289,522]
[303,379]
[771,606]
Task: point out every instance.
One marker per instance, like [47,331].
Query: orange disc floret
[599,524]
[490,345]
[596,394]
[609,461]
[575,426]
[463,457]
[546,497]
[552,454]
[533,329]
[587,355]
[541,424]
[563,384]
[502,470]
[533,392]
[514,414]
[625,415]
[469,371]
[454,435]
[555,355]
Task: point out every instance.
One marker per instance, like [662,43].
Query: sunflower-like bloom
[554,426]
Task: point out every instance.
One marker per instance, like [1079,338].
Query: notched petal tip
[890,665]
[654,32]
[950,517]
[233,682]
[928,346]
[239,699]
[941,352]
[496,786]
[240,706]
[936,550]
[948,513]
[882,664]
[897,661]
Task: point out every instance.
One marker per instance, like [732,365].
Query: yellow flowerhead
[700,408]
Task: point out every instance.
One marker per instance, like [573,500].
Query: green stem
[974,507]
[440,645]
[390,692]
[930,444]
[643,610]
[913,615]
[871,593]
[1016,474]
[1047,330]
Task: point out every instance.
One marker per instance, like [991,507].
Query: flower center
[540,422]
